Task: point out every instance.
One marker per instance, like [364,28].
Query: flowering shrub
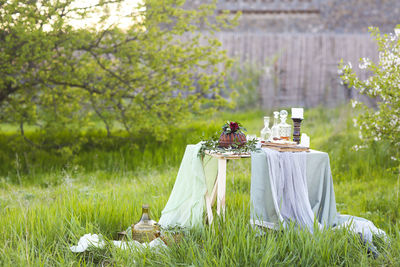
[382,122]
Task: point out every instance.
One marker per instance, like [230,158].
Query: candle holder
[296,129]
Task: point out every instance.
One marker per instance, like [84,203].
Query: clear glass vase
[275,128]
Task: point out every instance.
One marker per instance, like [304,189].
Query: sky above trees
[118,14]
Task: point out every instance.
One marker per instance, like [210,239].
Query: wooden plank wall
[305,71]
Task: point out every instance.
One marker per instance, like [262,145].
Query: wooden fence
[268,6]
[300,69]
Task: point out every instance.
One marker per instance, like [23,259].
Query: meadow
[49,199]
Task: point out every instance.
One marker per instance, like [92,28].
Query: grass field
[49,199]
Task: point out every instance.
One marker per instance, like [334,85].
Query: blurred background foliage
[242,86]
[331,130]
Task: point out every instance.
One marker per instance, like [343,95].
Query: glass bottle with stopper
[275,127]
[266,131]
[285,129]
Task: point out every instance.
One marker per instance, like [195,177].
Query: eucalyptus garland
[212,145]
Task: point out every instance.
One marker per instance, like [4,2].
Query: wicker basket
[227,140]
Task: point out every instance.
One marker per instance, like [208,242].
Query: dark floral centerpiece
[232,135]
[231,139]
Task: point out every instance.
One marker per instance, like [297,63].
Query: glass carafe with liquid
[285,130]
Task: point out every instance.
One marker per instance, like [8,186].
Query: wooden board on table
[291,144]
[286,148]
[228,155]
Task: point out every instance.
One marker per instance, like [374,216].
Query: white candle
[297,113]
[305,140]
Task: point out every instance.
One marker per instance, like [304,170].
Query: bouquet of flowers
[232,127]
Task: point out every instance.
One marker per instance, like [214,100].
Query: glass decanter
[285,129]
[146,229]
[266,131]
[275,127]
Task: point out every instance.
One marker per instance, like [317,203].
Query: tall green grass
[117,155]
[49,201]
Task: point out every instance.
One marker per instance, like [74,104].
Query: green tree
[146,78]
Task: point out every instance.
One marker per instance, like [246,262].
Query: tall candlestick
[296,129]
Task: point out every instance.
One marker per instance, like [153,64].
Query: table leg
[209,208]
[221,180]
[210,200]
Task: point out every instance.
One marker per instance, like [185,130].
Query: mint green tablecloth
[265,208]
[299,193]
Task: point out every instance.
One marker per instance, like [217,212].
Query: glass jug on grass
[146,229]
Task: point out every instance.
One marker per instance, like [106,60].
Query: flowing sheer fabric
[185,206]
[295,204]
[287,173]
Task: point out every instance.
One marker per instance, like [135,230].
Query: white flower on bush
[364,63]
[383,84]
